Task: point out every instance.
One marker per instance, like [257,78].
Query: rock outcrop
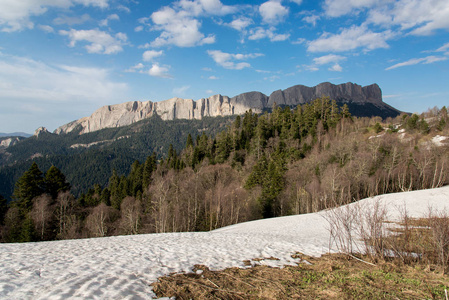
[7,142]
[176,108]
[39,131]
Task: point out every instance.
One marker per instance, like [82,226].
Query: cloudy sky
[62,59]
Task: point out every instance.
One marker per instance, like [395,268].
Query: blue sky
[60,60]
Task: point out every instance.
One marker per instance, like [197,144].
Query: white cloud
[213,77]
[261,33]
[415,61]
[135,68]
[179,24]
[350,39]
[210,7]
[123,8]
[272,78]
[71,20]
[61,92]
[101,42]
[209,92]
[299,41]
[273,12]
[421,17]
[227,60]
[443,48]
[46,28]
[97,3]
[151,54]
[240,23]
[337,8]
[336,68]
[138,28]
[113,17]
[296,1]
[312,68]
[15,14]
[181,91]
[159,71]
[178,29]
[327,59]
[311,19]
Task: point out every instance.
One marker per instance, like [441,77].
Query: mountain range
[89,149]
[363,102]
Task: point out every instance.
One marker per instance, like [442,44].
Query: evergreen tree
[30,185]
[106,197]
[55,182]
[135,178]
[27,233]
[114,182]
[189,142]
[148,168]
[3,209]
[345,111]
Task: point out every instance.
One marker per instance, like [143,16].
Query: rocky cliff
[130,112]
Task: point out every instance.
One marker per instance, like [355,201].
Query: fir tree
[55,182]
[3,209]
[30,185]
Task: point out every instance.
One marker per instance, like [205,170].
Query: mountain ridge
[118,115]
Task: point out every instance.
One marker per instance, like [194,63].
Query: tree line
[289,161]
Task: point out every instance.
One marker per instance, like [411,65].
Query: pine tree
[30,185]
[148,168]
[55,182]
[3,209]
[135,178]
[114,182]
[189,142]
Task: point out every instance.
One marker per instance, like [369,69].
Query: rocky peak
[39,131]
[176,108]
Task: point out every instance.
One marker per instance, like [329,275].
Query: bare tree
[96,222]
[41,214]
[130,215]
[64,211]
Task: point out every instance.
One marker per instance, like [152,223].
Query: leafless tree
[96,222]
[130,215]
[41,214]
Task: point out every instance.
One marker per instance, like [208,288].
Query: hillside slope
[123,267]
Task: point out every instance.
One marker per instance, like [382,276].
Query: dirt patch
[329,277]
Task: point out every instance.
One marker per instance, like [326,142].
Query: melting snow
[123,267]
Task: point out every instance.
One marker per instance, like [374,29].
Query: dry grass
[411,263]
[329,277]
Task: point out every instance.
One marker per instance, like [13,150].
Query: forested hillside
[280,163]
[89,159]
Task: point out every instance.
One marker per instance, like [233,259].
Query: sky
[60,60]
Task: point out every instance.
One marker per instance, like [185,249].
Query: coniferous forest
[289,161]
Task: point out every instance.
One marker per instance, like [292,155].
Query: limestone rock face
[5,143]
[348,92]
[176,108]
[39,131]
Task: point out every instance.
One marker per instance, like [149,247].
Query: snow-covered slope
[123,267]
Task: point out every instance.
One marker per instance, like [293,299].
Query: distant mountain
[23,134]
[87,150]
[90,158]
[363,101]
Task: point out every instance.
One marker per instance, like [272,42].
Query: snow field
[123,267]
